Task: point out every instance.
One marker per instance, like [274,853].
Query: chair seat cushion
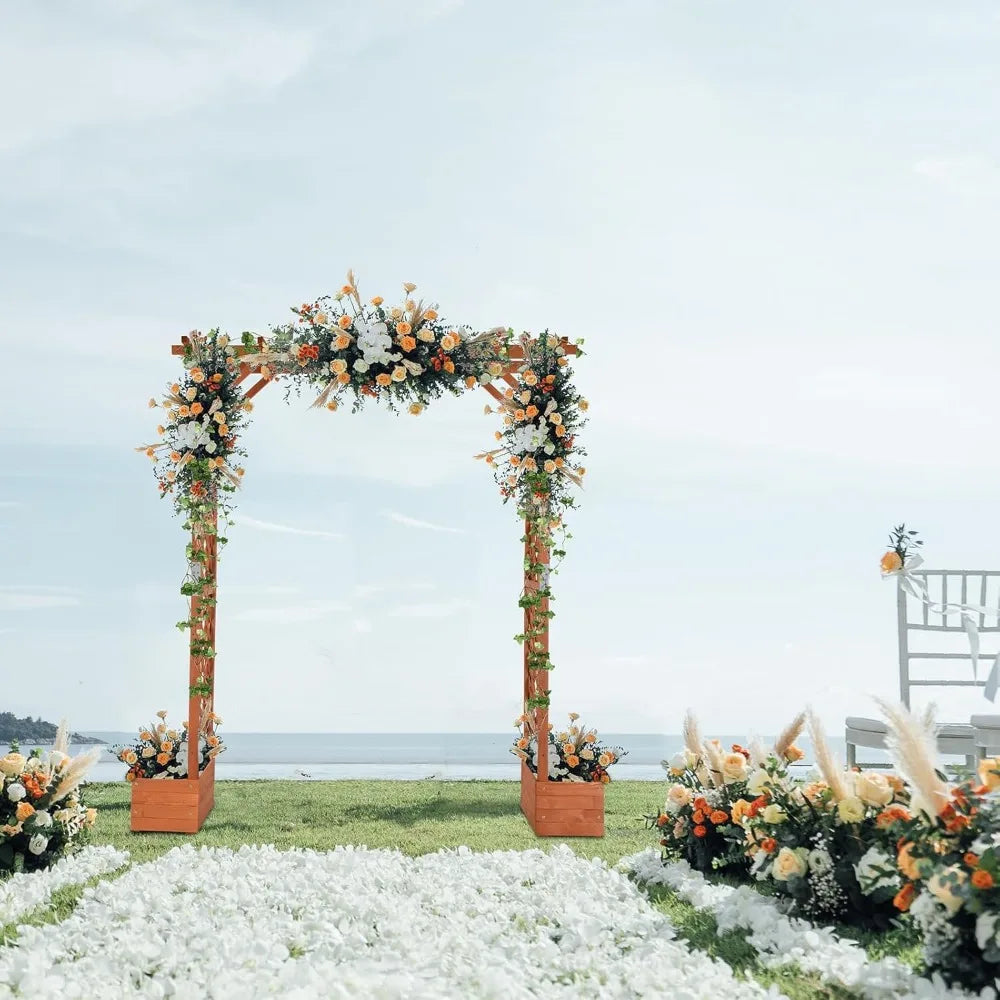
[866,725]
[986,721]
[955,730]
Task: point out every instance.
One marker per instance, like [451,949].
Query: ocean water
[406,756]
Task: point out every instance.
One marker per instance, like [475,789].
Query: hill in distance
[30,732]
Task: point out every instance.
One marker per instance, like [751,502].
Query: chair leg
[852,755]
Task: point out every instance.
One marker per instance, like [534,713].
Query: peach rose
[678,796]
[873,788]
[989,773]
[891,562]
[739,810]
[734,768]
[943,885]
[338,366]
[12,764]
[790,864]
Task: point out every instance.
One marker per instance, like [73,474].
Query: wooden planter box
[562,808]
[173,805]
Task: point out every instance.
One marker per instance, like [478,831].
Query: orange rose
[130,776]
[344,322]
[891,562]
[718,817]
[904,897]
[698,816]
[572,760]
[793,754]
[197,375]
[403,328]
[449,367]
[24,811]
[768,845]
[700,831]
[407,343]
[383,379]
[982,879]
[893,814]
[972,860]
[344,377]
[430,314]
[377,300]
[163,759]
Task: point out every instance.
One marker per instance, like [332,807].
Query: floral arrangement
[353,350]
[902,550]
[826,845]
[42,813]
[948,857]
[162,752]
[701,819]
[575,754]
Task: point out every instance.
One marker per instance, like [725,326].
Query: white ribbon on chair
[918,589]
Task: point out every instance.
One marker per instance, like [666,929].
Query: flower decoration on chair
[162,751]
[575,754]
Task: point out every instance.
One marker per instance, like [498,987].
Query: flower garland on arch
[356,351]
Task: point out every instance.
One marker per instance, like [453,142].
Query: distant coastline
[35,731]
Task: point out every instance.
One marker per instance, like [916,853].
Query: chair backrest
[955,587]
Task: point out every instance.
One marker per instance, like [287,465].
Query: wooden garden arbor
[551,808]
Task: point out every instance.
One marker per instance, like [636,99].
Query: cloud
[31,598]
[285,529]
[974,175]
[293,614]
[628,661]
[101,67]
[412,522]
[370,589]
[443,610]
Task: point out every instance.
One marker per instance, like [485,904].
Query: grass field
[422,816]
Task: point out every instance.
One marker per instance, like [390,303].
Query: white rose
[34,764]
[774,815]
[57,758]
[758,781]
[876,870]
[361,366]
[872,788]
[42,819]
[820,861]
[986,930]
[16,792]
[678,763]
[790,864]
[38,843]
[943,891]
[851,809]
[148,752]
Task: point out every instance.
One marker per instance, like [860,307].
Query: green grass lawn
[422,816]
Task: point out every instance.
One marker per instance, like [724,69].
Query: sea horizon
[404,756]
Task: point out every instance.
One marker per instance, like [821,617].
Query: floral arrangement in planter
[42,813]
[710,794]
[827,845]
[948,858]
[575,754]
[162,752]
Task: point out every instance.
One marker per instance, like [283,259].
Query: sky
[773,224]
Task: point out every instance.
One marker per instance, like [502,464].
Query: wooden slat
[511,381]
[494,392]
[254,389]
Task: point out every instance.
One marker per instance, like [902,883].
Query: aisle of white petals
[25,891]
[783,940]
[216,923]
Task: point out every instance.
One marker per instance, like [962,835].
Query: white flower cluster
[782,940]
[24,891]
[358,923]
[374,342]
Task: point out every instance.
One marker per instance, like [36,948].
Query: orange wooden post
[203,540]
